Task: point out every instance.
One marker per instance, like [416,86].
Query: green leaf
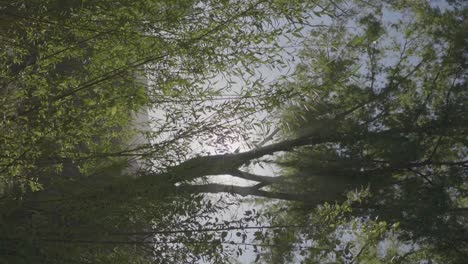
[113,110]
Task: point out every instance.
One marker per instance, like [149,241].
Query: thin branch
[201,230]
[438,143]
[254,177]
[422,175]
[245,191]
[150,242]
[359,254]
[459,210]
[438,163]
[285,145]
[268,138]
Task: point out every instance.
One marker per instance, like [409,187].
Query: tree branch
[285,145]
[254,177]
[244,191]
[230,163]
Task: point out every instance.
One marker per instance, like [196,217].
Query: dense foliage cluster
[387,86]
[74,77]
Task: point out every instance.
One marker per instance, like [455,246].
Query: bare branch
[246,191]
[285,145]
[254,177]
[268,138]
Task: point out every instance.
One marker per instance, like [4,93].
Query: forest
[233,131]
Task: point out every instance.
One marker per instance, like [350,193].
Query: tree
[394,128]
[77,64]
[73,76]
[389,97]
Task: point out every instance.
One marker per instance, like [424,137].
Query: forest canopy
[121,120]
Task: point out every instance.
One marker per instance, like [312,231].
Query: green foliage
[73,76]
[387,86]
[388,98]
